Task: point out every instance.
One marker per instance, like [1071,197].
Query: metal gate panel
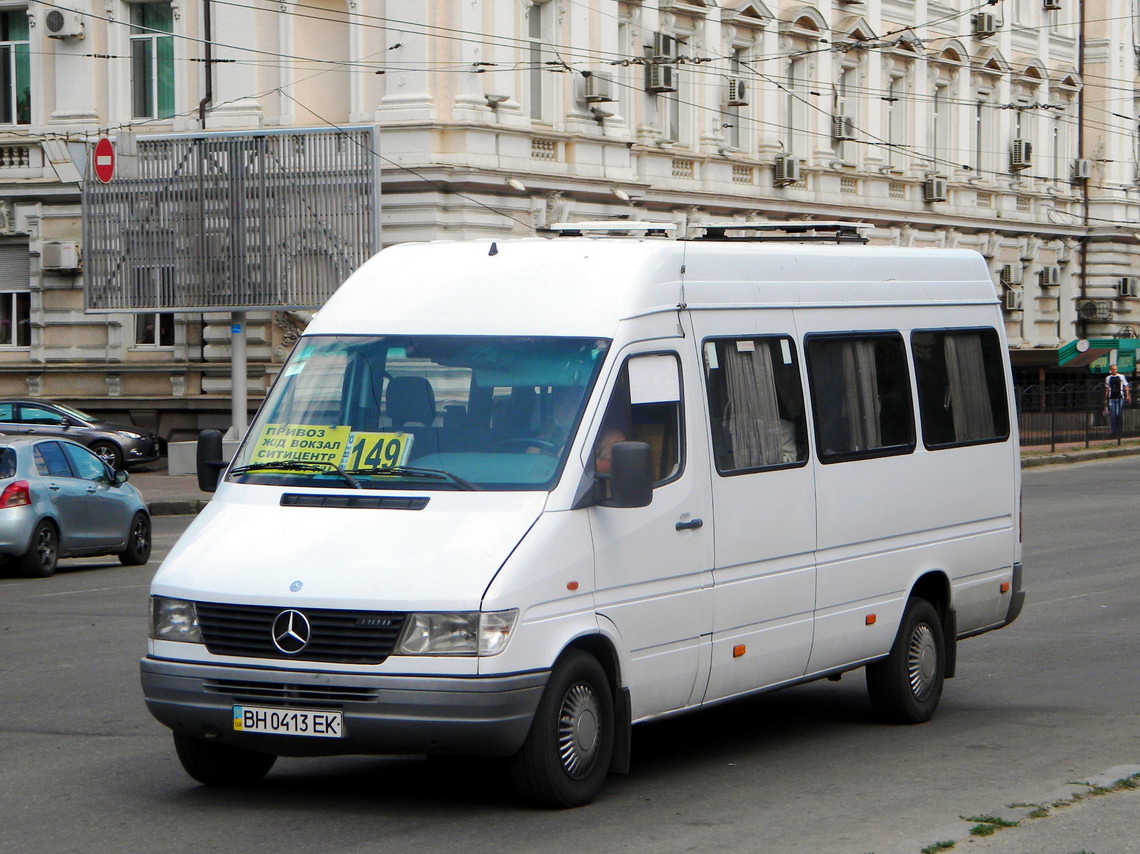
[232,222]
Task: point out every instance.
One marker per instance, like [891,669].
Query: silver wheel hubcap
[578,728]
[45,547]
[140,536]
[922,661]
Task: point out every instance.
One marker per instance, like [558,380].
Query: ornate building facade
[1009,128]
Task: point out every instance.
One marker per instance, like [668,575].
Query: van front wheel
[216,764]
[566,756]
[906,685]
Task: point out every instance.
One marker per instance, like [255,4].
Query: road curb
[1078,456]
[187,507]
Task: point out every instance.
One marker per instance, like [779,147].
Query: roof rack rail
[792,231]
[614,227]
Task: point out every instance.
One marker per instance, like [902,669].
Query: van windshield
[422,412]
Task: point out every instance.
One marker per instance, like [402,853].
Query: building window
[939,126]
[15,70]
[15,319]
[538,41]
[732,116]
[152,60]
[154,330]
[795,105]
[153,286]
[981,135]
[896,121]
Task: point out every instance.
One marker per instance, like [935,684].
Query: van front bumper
[477,715]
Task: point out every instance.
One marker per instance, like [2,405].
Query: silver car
[58,499]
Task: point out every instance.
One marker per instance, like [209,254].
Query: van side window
[756,403]
[961,387]
[860,393]
[645,407]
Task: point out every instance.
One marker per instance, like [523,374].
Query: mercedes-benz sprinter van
[510,497]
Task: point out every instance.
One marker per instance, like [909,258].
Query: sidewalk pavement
[173,495]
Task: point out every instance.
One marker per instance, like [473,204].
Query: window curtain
[968,390]
[861,386]
[752,414]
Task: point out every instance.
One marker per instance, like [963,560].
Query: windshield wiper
[298,465]
[415,471]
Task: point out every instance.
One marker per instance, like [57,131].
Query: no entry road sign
[103,159]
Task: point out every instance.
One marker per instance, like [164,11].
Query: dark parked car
[118,445]
[57,499]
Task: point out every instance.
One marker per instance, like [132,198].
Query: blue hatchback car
[58,499]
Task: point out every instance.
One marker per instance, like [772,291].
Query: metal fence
[1054,414]
[208,222]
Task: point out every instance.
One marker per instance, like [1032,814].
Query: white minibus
[510,497]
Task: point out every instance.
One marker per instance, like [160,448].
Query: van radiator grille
[343,637]
[275,692]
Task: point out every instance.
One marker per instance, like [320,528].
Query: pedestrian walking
[1116,397]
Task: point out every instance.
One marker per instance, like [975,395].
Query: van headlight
[457,633]
[174,620]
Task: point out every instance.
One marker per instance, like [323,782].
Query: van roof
[586,286]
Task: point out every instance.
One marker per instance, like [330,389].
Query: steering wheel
[543,446]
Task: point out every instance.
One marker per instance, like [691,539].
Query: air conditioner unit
[842,127]
[737,95]
[1050,276]
[985,24]
[1126,287]
[664,46]
[1010,274]
[59,255]
[1094,309]
[63,24]
[1020,154]
[1014,299]
[934,190]
[787,170]
[599,87]
[1052,5]
[1082,169]
[661,78]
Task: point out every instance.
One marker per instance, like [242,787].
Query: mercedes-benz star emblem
[291,632]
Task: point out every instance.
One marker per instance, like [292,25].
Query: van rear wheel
[905,687]
[566,756]
[216,764]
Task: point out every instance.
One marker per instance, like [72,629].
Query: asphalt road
[1051,700]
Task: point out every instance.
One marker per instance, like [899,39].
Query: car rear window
[7,462]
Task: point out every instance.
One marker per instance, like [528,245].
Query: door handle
[91,490]
[54,487]
[691,525]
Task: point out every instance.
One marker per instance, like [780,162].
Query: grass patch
[1039,812]
[938,846]
[987,825]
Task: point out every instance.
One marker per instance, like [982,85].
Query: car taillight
[15,494]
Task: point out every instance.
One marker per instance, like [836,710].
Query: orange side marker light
[871,619]
[571,585]
[1005,587]
[739,650]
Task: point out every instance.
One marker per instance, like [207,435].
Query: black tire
[109,453]
[906,685]
[214,764]
[137,551]
[566,756]
[43,552]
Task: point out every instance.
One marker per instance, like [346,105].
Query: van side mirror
[631,475]
[210,462]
